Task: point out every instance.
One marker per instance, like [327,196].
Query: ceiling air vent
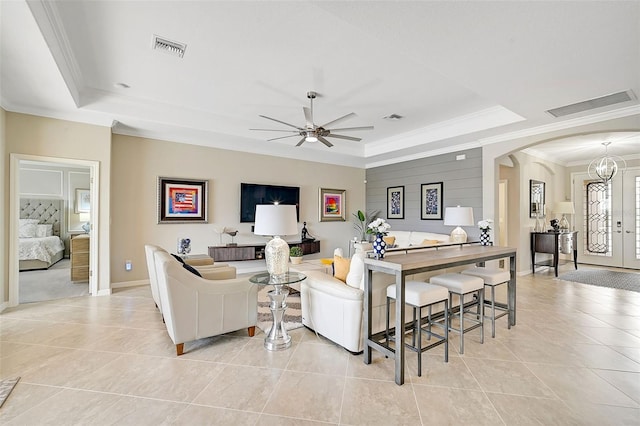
[171,47]
[594,103]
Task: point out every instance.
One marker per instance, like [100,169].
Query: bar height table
[412,263]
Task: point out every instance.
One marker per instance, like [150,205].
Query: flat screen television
[252,194]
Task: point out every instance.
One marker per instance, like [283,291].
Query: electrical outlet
[127,265]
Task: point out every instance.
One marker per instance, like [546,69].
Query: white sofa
[194,307]
[334,309]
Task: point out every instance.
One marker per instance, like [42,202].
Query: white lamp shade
[564,207]
[276,219]
[458,216]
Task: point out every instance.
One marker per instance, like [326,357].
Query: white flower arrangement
[485,224]
[378,226]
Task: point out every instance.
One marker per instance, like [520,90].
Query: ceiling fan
[312,133]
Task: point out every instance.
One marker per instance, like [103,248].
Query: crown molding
[48,20]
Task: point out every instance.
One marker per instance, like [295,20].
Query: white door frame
[14,215]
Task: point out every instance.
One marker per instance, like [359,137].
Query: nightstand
[80,257]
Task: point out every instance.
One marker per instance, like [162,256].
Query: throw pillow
[27,230]
[191,269]
[390,240]
[341,267]
[178,258]
[44,231]
[355,277]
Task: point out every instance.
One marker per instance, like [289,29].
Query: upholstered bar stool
[420,295]
[462,285]
[493,277]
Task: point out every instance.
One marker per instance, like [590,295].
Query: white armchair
[194,307]
[208,270]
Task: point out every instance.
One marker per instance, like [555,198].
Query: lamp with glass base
[276,220]
[458,217]
[564,208]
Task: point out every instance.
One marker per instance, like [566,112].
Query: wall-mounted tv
[252,194]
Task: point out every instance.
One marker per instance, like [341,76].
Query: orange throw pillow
[389,240]
[341,268]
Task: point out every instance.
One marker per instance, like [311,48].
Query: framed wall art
[83,201]
[431,201]
[332,204]
[182,200]
[395,202]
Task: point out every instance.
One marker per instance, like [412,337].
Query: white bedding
[40,248]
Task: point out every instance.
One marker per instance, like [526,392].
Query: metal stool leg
[493,311]
[446,331]
[418,329]
[481,296]
[386,332]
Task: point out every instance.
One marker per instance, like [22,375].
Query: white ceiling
[462,74]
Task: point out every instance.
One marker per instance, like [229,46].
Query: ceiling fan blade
[276,130]
[281,122]
[308,115]
[281,137]
[349,138]
[344,117]
[353,128]
[301,141]
[324,141]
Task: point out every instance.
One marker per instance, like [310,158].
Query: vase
[379,246]
[485,238]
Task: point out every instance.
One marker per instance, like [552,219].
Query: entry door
[608,219]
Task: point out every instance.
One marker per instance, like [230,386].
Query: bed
[40,245]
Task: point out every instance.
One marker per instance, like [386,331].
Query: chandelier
[606,167]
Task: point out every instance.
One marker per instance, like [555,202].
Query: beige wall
[137,163]
[46,137]
[4,222]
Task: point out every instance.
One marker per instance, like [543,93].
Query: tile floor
[573,358]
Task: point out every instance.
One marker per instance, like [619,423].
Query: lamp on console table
[564,208]
[458,217]
[276,220]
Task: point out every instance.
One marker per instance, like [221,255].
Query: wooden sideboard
[255,251]
[553,243]
[80,257]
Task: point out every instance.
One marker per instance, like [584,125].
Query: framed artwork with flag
[182,200]
[332,205]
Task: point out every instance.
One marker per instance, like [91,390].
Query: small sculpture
[184,246]
[305,236]
[232,233]
[555,225]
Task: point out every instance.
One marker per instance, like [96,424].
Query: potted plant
[362,220]
[295,254]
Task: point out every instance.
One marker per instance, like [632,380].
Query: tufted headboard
[45,210]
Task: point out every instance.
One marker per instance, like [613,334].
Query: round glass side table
[277,338]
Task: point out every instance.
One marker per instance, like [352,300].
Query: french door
[608,219]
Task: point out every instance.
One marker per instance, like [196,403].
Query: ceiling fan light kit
[313,133]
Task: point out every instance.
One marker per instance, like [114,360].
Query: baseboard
[106,292]
[4,306]
[125,284]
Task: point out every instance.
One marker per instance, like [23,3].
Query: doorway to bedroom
[51,202]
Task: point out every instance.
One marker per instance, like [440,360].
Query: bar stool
[493,277]
[462,285]
[420,295]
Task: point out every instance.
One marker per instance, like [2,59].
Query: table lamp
[276,220]
[564,208]
[458,217]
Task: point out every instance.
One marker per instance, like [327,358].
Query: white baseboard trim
[4,306]
[105,292]
[125,284]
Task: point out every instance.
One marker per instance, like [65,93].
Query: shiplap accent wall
[462,183]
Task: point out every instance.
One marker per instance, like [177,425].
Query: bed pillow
[44,230]
[27,228]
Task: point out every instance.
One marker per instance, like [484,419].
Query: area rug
[6,386]
[604,278]
[49,284]
[292,316]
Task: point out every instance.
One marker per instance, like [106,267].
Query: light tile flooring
[573,358]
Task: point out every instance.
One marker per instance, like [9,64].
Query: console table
[256,251]
[553,243]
